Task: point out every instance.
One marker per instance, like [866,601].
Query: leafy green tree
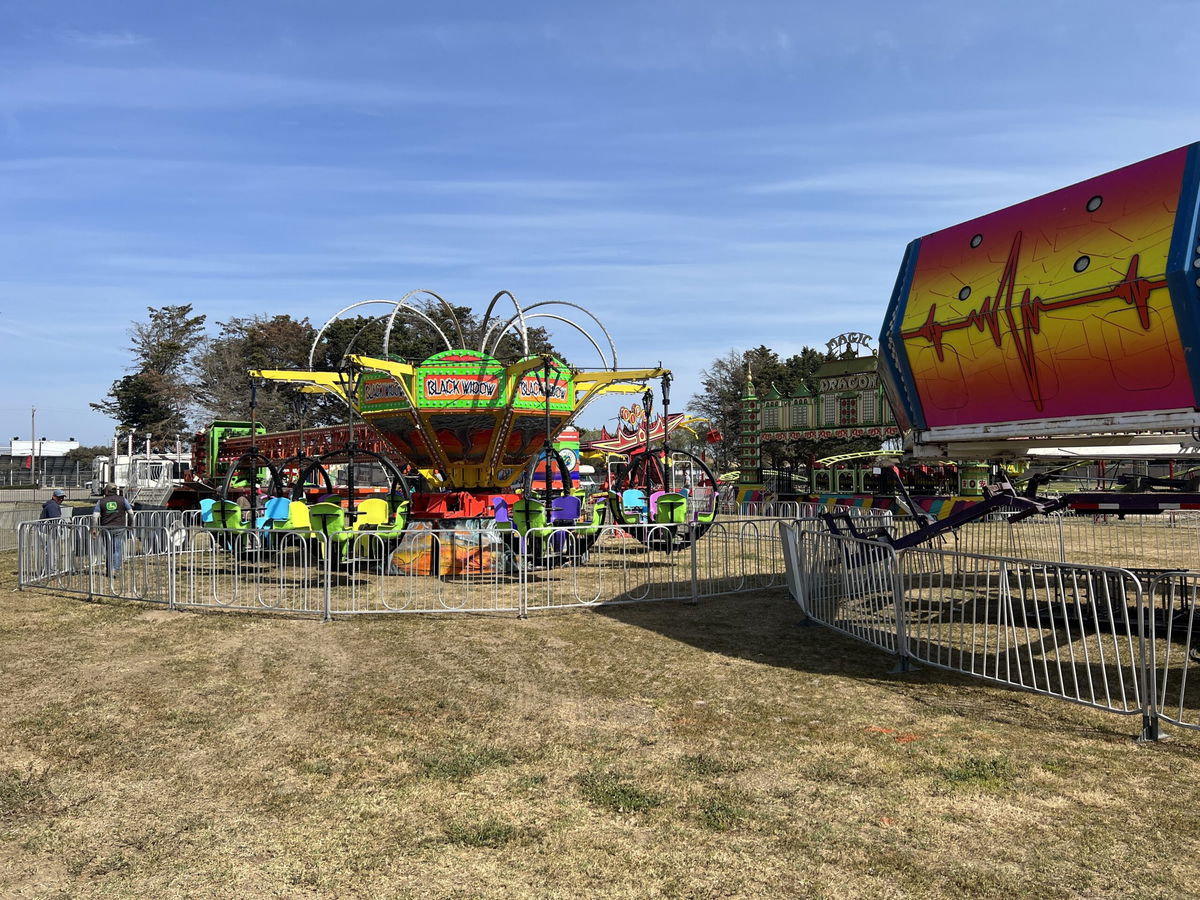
[251,343]
[724,385]
[156,396]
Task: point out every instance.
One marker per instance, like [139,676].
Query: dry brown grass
[666,750]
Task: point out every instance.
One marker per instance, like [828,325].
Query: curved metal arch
[574,325]
[520,316]
[611,345]
[403,302]
[398,304]
[346,354]
[320,464]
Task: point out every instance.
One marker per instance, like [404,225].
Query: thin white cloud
[103,40]
[171,88]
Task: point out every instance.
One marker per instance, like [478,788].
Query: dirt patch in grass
[672,750]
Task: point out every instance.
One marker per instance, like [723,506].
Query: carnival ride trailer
[1073,314]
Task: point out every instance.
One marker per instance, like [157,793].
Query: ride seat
[275,511]
[297,519]
[500,513]
[565,510]
[372,513]
[671,509]
[654,503]
[633,502]
[327,518]
[206,506]
[226,516]
[528,515]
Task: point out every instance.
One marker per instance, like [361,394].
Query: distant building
[39,448]
[848,404]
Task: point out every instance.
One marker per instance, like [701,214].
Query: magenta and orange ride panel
[1071,307]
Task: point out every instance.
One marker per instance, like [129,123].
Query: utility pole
[32,439]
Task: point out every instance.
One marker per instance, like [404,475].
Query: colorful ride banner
[451,387]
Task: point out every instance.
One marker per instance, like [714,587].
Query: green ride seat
[399,520]
[226,516]
[528,515]
[329,520]
[380,538]
[671,509]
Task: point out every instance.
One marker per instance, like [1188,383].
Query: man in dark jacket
[112,513]
[52,508]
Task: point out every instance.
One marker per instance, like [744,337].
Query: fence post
[903,661]
[522,581]
[1147,660]
[327,577]
[693,527]
[21,556]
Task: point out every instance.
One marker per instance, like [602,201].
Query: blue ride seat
[633,502]
[276,510]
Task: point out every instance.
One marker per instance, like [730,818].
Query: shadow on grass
[767,627]
[764,626]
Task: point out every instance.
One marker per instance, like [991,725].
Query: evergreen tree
[156,396]
[246,344]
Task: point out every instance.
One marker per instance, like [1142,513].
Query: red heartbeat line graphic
[1135,291]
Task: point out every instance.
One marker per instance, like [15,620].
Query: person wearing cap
[52,508]
[112,513]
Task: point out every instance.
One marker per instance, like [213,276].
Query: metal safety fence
[172,558]
[1119,639]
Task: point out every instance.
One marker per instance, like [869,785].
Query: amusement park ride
[460,435]
[1071,320]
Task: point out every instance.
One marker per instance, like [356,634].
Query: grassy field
[712,749]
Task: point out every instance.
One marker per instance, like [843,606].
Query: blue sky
[703,176]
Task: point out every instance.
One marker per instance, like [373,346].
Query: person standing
[52,537]
[112,514]
[52,508]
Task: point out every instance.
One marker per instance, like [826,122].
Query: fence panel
[74,557]
[467,569]
[1175,647]
[13,514]
[623,565]
[850,586]
[239,570]
[1070,631]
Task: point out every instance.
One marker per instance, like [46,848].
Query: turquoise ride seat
[633,502]
[276,510]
